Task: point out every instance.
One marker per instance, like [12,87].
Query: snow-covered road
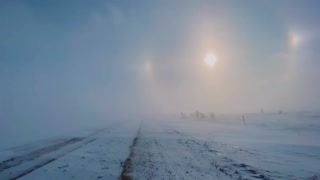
[177,149]
[161,152]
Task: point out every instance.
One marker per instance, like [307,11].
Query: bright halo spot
[148,66]
[210,59]
[149,69]
[294,39]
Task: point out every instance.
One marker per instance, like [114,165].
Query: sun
[210,59]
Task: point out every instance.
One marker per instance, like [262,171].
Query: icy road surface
[175,149]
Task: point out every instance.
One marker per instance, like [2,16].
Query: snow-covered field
[269,146]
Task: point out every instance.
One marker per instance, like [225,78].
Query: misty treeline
[211,115]
[198,115]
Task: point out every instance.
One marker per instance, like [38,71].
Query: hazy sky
[77,58]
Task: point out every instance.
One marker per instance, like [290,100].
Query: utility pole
[244,121]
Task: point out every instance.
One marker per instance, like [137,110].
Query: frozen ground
[269,146]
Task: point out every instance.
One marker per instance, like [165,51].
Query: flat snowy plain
[269,146]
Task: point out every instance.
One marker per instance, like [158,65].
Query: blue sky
[70,59]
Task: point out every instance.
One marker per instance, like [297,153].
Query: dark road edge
[127,165]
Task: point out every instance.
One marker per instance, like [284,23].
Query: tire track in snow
[17,167]
[30,170]
[15,161]
[35,154]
